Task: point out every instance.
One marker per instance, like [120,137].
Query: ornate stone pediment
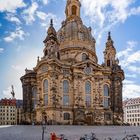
[43,69]
[88,63]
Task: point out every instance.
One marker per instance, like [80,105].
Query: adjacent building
[131,109]
[68,85]
[8,112]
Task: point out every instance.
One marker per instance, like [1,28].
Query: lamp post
[43,127]
[44,118]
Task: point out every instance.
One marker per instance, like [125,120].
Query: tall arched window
[74,10]
[106,90]
[45,91]
[34,96]
[65,87]
[106,96]
[65,92]
[88,94]
[88,87]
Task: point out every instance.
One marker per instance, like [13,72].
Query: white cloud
[130,75]
[11,5]
[13,18]
[1,50]
[18,33]
[29,14]
[107,13]
[135,69]
[129,55]
[135,11]
[135,57]
[126,82]
[41,15]
[7,92]
[16,67]
[49,16]
[129,60]
[26,60]
[130,46]
[45,1]
[131,90]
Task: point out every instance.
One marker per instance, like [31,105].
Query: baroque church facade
[68,86]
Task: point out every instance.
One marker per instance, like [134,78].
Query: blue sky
[23,25]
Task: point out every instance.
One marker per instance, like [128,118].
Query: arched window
[88,94]
[45,86]
[65,92]
[65,87]
[88,87]
[84,56]
[45,91]
[34,96]
[106,96]
[66,116]
[74,10]
[106,90]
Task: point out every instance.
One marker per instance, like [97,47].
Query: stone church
[67,85]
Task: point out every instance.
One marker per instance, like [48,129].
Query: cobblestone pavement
[71,132]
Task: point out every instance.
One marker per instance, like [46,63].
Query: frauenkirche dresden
[67,85]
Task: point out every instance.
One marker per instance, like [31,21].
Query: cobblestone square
[71,132]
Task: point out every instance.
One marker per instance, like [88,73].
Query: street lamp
[43,127]
[44,117]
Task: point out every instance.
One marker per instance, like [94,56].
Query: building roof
[8,102]
[129,102]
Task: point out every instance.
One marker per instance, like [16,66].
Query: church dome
[74,37]
[74,30]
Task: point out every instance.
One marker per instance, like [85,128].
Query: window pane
[65,100]
[66,116]
[65,86]
[46,99]
[34,92]
[84,57]
[88,87]
[88,101]
[34,103]
[34,96]
[106,90]
[107,116]
[106,102]
[45,86]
